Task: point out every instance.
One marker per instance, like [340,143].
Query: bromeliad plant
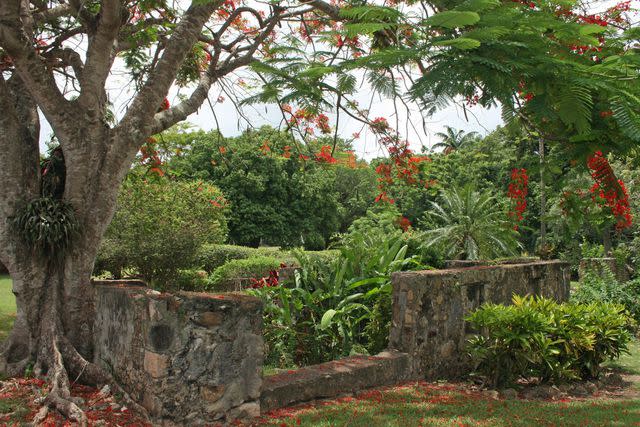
[539,338]
[334,309]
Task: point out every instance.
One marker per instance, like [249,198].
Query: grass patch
[628,363]
[7,307]
[13,411]
[424,404]
[432,404]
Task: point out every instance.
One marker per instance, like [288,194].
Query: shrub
[112,258]
[160,224]
[255,267]
[192,280]
[537,337]
[605,287]
[211,256]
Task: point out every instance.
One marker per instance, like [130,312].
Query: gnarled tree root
[64,360]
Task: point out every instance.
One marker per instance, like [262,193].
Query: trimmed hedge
[192,280]
[255,267]
[210,257]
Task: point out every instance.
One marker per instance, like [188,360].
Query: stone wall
[429,308]
[188,358]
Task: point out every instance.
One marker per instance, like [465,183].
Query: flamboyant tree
[58,57]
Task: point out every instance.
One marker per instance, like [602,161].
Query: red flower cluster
[270,281]
[322,121]
[307,120]
[611,16]
[324,156]
[517,192]
[614,16]
[524,93]
[610,190]
[165,104]
[150,157]
[403,164]
[404,223]
[310,26]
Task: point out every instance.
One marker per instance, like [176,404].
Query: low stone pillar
[189,359]
[429,308]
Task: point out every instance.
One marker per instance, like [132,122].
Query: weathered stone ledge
[333,378]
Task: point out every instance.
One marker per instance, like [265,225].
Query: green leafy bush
[192,280]
[112,258]
[160,224]
[537,337]
[255,267]
[211,256]
[605,287]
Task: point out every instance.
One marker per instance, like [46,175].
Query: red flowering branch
[517,192]
[402,165]
[324,156]
[608,190]
[150,157]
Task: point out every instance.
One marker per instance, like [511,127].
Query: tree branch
[180,112]
[52,14]
[32,69]
[100,55]
[140,114]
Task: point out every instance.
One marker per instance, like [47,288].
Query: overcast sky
[418,132]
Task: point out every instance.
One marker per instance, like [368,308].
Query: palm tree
[455,139]
[470,225]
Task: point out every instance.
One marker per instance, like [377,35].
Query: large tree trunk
[53,327]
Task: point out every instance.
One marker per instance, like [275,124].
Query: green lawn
[7,307]
[432,404]
[424,404]
[629,363]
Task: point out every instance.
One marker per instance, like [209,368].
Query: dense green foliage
[334,309]
[212,256]
[470,225]
[159,226]
[603,286]
[539,338]
[277,196]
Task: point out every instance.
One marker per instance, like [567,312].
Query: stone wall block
[189,357]
[430,326]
